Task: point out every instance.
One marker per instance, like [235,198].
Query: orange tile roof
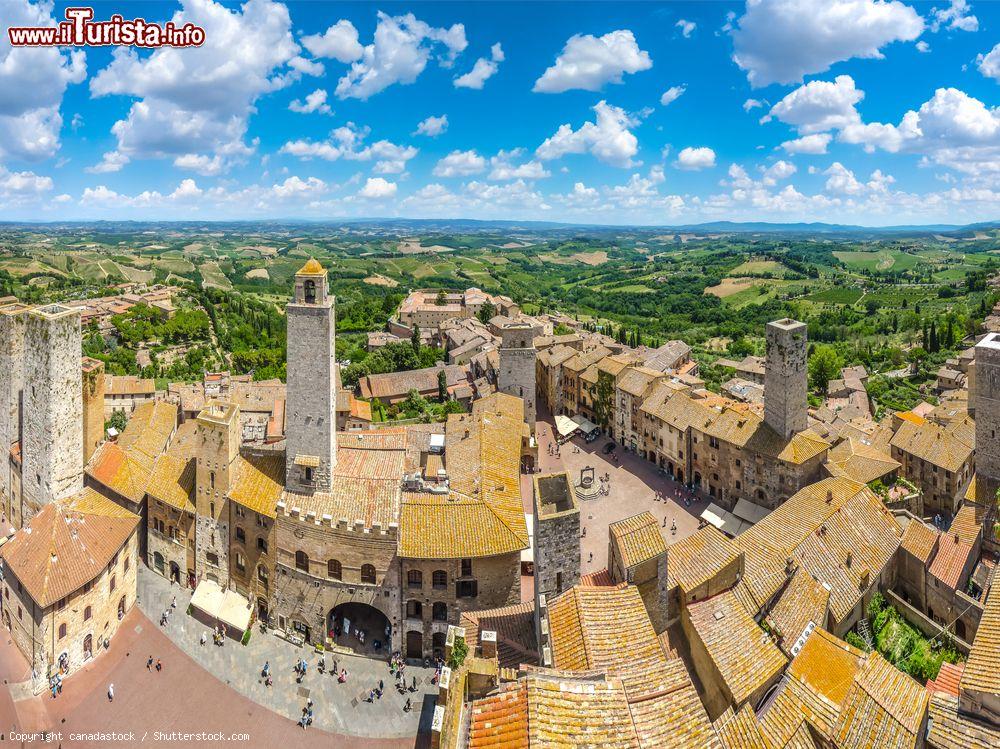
[951,730]
[173,481]
[699,557]
[258,482]
[981,672]
[637,538]
[884,707]
[500,721]
[948,679]
[950,560]
[741,730]
[311,268]
[515,628]
[919,539]
[945,447]
[968,523]
[67,544]
[804,600]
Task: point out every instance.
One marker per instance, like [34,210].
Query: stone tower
[785,377]
[13,318]
[557,534]
[987,403]
[93,406]
[311,401]
[52,435]
[218,447]
[516,375]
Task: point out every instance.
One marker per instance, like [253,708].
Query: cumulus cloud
[819,106]
[112,161]
[503,168]
[923,47]
[607,138]
[314,102]
[687,27]
[672,94]
[339,42]
[693,159]
[482,70]
[32,83]
[17,188]
[399,53]
[432,127]
[377,187]
[780,41]
[841,180]
[808,144]
[460,164]
[199,100]
[588,62]
[346,143]
[957,16]
[778,171]
[752,104]
[989,64]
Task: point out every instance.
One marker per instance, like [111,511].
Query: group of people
[307,715]
[150,666]
[55,684]
[165,616]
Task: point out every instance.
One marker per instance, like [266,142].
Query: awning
[565,425]
[227,606]
[585,424]
[725,521]
[750,512]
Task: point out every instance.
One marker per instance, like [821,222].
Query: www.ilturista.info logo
[79,30]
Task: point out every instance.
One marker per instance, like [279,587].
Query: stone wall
[517,375]
[785,377]
[12,323]
[52,443]
[93,406]
[178,549]
[987,406]
[557,535]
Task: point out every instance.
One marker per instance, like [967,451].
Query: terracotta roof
[173,481]
[919,539]
[638,538]
[598,628]
[859,462]
[677,409]
[884,707]
[740,730]
[515,628]
[747,430]
[968,523]
[948,680]
[67,544]
[945,447]
[981,672]
[804,600]
[951,730]
[258,482]
[128,385]
[399,384]
[482,514]
[599,579]
[500,720]
[742,653]
[636,380]
[698,558]
[950,560]
[120,471]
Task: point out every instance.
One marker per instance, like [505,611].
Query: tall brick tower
[52,438]
[785,377]
[93,405]
[218,446]
[517,365]
[987,403]
[13,318]
[311,401]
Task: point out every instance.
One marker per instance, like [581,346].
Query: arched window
[62,631]
[334,570]
[301,561]
[439,579]
[368,574]
[86,613]
[262,573]
[440,612]
[414,609]
[415,579]
[309,475]
[310,290]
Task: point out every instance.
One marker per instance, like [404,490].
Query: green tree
[442,386]
[487,312]
[415,339]
[440,300]
[117,421]
[604,398]
[824,365]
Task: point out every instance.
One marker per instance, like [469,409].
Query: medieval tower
[13,318]
[557,535]
[52,437]
[785,377]
[987,404]
[310,416]
[93,406]
[218,440]
[516,375]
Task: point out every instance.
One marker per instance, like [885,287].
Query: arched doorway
[158,562]
[360,627]
[121,607]
[437,643]
[414,644]
[88,647]
[175,572]
[527,464]
[262,609]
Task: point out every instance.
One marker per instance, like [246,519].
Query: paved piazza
[635,485]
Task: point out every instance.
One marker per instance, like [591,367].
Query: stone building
[937,459]
[637,555]
[632,386]
[311,405]
[984,402]
[785,377]
[557,534]
[93,406]
[52,436]
[69,579]
[516,375]
[13,318]
[215,472]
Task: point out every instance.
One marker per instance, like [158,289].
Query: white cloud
[752,104]
[504,169]
[778,171]
[315,102]
[432,127]
[672,94]
[339,42]
[687,27]
[693,159]
[346,143]
[482,70]
[460,164]
[956,16]
[198,100]
[112,161]
[32,83]
[23,187]
[810,144]
[989,64]
[399,53]
[842,180]
[588,62]
[819,106]
[923,47]
[376,187]
[608,138]
[780,41]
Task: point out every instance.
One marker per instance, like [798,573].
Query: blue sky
[860,111]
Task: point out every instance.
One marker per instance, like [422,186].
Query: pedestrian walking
[371,695]
[204,639]
[111,692]
[590,558]
[266,671]
[159,666]
[173,603]
[406,707]
[380,685]
[413,688]
[149,663]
